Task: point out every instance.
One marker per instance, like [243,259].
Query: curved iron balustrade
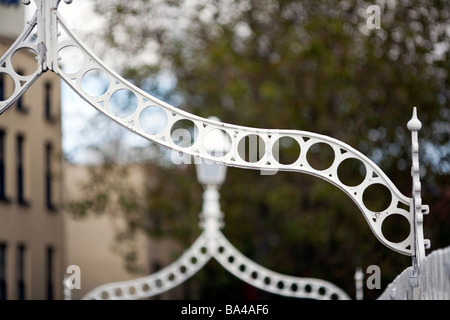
[48,25]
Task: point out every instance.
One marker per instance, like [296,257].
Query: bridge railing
[427,278]
[434,278]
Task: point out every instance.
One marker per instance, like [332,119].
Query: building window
[21,272]
[2,87]
[48,177]
[20,106]
[2,166]
[50,258]
[10,2]
[21,170]
[48,100]
[3,271]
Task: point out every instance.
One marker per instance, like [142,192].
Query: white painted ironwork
[48,25]
[21,83]
[212,243]
[67,290]
[434,278]
[417,210]
[359,285]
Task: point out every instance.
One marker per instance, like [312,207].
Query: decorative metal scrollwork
[49,24]
[213,244]
[268,138]
[21,83]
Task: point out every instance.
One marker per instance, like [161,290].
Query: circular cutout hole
[72,59]
[21,61]
[230,259]
[395,228]
[183,269]
[217,143]
[203,250]
[8,81]
[308,288]
[377,197]
[320,156]
[171,277]
[251,148]
[105,295]
[254,275]
[286,150]
[193,260]
[280,285]
[95,82]
[132,291]
[145,287]
[158,283]
[267,280]
[221,249]
[183,133]
[123,103]
[351,172]
[242,268]
[294,287]
[322,291]
[334,296]
[118,292]
[153,120]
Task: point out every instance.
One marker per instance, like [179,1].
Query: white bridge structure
[47,35]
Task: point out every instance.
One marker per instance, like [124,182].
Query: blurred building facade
[31,218]
[91,240]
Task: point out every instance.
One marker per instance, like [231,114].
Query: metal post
[211,218]
[47,32]
[417,211]
[67,290]
[359,276]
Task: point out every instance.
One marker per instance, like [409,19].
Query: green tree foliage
[309,65]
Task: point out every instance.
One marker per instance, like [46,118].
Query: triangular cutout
[402,205]
[343,151]
[374,175]
[22,82]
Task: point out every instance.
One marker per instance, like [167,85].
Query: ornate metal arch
[212,243]
[48,24]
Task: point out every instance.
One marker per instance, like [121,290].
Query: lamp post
[359,276]
[211,176]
